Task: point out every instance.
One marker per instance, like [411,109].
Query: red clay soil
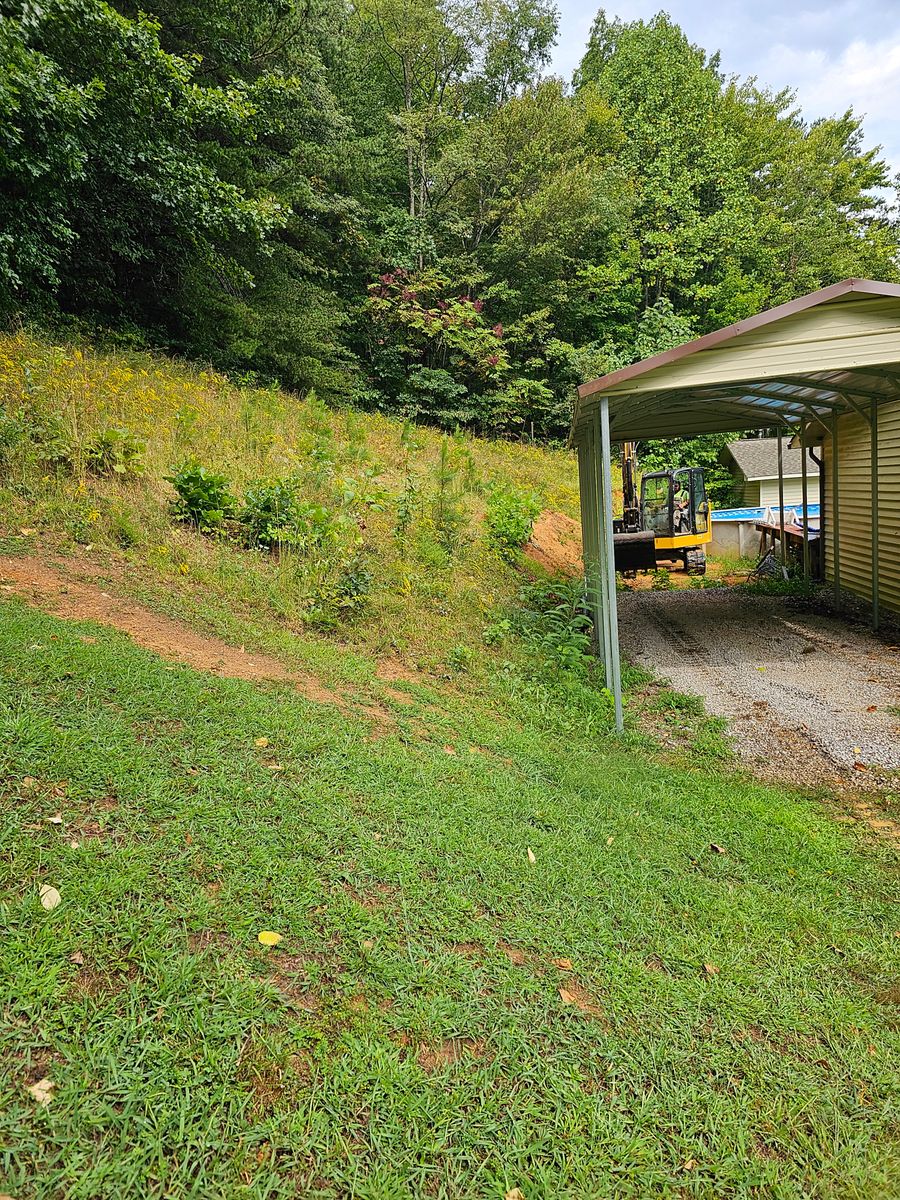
[51,590]
[555,544]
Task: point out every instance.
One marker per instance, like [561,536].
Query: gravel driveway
[806,696]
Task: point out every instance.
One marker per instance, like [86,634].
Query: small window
[655,497]
[701,505]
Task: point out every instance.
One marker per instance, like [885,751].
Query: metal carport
[805,367]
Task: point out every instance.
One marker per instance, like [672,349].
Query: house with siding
[754,464]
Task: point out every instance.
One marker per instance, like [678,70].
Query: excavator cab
[675,509]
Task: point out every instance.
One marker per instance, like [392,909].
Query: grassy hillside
[519,956]
[60,404]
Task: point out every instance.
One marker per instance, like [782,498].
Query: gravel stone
[794,686]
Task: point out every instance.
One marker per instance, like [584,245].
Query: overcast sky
[833,54]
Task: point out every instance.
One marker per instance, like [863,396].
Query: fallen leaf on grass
[50,897]
[716,849]
[269,938]
[28,783]
[77,958]
[73,845]
[689,1165]
[28,532]
[42,1091]
[566,997]
[860,766]
[261,742]
[710,969]
[512,1194]
[564,964]
[610,840]
[274,767]
[531,857]
[449,750]
[56,819]
[368,944]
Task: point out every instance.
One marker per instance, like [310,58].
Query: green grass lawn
[728,1027]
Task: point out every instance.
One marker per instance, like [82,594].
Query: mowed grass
[728,1025]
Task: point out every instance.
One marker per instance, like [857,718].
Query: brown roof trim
[834,291]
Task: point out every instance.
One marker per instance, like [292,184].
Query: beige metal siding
[843,334]
[793,490]
[855,496]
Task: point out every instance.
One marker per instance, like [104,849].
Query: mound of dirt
[555,544]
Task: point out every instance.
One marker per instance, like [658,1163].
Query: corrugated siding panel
[793,491]
[853,333]
[855,495]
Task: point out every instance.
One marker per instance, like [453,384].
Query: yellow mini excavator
[672,519]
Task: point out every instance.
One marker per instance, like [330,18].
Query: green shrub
[115,452]
[553,620]
[272,513]
[204,498]
[510,518]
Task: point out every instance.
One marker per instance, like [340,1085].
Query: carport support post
[607,559]
[589,532]
[873,435]
[805,486]
[836,511]
[781,495]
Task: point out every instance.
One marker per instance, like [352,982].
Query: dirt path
[53,591]
[808,699]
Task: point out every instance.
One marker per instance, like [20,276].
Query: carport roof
[835,350]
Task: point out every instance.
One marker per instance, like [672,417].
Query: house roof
[835,350]
[757,458]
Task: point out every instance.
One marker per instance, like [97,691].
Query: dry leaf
[872,708]
[261,742]
[857,750]
[449,750]
[716,849]
[368,944]
[268,938]
[689,1165]
[564,964]
[710,969]
[188,839]
[566,997]
[50,897]
[274,767]
[531,857]
[28,532]
[512,1194]
[42,1091]
[73,845]
[610,840]
[56,819]
[28,782]
[77,958]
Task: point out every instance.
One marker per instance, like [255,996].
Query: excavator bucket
[635,551]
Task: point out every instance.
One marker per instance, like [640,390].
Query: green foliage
[387,205]
[273,514]
[115,451]
[204,498]
[447,512]
[552,618]
[510,518]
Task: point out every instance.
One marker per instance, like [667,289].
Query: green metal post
[873,434]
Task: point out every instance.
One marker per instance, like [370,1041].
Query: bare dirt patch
[392,670]
[555,544]
[808,698]
[51,590]
[434,1057]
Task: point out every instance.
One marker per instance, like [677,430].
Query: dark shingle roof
[757,458]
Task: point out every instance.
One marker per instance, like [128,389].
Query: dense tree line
[390,202]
